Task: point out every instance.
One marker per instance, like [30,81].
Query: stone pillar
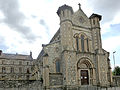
[94,77]
[109,72]
[97,70]
[45,72]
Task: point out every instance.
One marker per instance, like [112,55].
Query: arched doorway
[84,77]
[85,71]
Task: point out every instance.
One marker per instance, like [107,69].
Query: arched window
[63,13]
[94,22]
[76,36]
[87,44]
[77,43]
[82,43]
[57,66]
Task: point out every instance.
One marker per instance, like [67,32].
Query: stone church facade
[74,57]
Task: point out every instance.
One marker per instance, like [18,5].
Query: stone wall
[116,80]
[37,85]
[20,85]
[56,79]
[85,88]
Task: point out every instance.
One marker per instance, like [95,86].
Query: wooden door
[84,77]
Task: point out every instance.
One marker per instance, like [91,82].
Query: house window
[28,70]
[3,70]
[12,70]
[3,76]
[57,66]
[82,42]
[3,62]
[20,70]
[20,62]
[27,63]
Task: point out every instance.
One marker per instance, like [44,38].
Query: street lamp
[114,59]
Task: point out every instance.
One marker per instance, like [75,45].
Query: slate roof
[56,34]
[41,54]
[96,15]
[15,56]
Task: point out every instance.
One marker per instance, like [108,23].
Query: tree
[116,71]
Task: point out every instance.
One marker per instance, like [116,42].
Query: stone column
[94,77]
[45,72]
[97,70]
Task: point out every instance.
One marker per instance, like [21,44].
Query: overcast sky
[27,24]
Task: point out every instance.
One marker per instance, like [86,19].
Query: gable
[79,18]
[56,37]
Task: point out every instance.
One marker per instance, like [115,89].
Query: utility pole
[114,60]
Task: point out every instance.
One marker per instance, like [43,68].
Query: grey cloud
[43,23]
[108,8]
[2,44]
[15,19]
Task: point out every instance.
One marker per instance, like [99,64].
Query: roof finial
[79,5]
[30,53]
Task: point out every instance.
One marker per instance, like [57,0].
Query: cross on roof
[79,5]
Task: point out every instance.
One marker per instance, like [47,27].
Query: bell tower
[95,26]
[65,13]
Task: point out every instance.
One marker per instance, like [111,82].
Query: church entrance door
[84,77]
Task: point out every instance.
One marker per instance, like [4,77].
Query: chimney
[0,52]
[30,53]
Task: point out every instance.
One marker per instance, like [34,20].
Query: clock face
[81,19]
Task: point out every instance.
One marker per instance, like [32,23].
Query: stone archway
[85,71]
[84,74]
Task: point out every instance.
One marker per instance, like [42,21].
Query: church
[74,57]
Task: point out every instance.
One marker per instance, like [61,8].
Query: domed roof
[63,8]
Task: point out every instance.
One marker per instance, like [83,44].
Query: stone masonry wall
[37,85]
[116,80]
[56,79]
[20,85]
